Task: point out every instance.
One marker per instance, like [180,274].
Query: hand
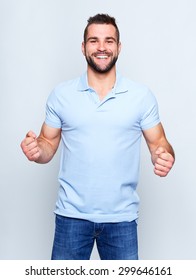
[163,162]
[30,147]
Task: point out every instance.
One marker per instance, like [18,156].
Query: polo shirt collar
[119,87]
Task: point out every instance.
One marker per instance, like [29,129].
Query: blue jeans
[74,240]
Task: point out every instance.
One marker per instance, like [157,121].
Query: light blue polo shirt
[100,147]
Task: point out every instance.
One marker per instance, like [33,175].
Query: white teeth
[102,56]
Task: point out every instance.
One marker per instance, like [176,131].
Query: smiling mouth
[102,56]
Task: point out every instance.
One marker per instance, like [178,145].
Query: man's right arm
[41,149]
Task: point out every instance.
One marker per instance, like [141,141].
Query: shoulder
[135,89]
[64,89]
[66,85]
[134,86]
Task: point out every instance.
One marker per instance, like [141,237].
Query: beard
[99,69]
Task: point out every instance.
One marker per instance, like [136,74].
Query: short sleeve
[52,117]
[150,113]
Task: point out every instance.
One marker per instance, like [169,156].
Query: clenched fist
[163,162]
[30,146]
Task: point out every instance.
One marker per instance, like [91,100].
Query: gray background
[40,46]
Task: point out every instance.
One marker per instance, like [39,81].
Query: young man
[100,118]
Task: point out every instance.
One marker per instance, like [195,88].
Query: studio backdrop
[40,46]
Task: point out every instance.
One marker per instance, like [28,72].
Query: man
[100,118]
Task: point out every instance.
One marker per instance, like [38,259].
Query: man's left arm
[162,153]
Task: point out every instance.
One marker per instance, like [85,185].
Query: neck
[102,83]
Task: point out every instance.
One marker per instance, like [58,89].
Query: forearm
[45,149]
[162,153]
[41,149]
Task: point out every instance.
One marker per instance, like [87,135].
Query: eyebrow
[106,38]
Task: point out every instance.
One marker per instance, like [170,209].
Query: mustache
[102,53]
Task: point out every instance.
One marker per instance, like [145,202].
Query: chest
[86,111]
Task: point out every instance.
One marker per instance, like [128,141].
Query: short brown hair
[102,19]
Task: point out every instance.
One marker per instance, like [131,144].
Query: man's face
[101,48]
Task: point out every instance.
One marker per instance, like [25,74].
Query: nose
[101,46]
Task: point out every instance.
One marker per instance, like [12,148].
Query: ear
[119,47]
[83,48]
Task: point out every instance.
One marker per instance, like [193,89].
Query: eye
[110,41]
[92,41]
